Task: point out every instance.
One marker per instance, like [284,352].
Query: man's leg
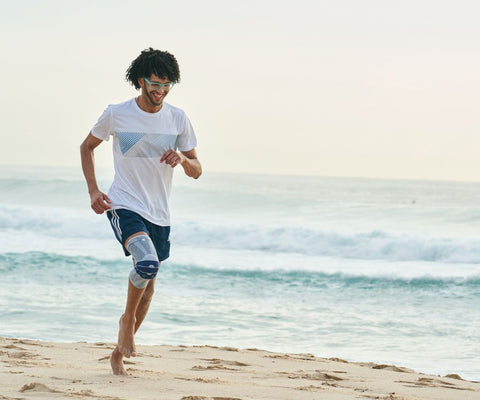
[138,302]
[126,344]
[144,304]
[116,359]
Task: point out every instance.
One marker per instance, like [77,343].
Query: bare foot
[116,361]
[126,343]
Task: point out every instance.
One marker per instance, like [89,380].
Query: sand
[42,370]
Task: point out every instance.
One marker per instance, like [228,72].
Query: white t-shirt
[142,184]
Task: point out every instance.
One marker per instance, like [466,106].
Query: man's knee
[145,258]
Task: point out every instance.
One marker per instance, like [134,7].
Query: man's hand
[100,202]
[187,159]
[172,158]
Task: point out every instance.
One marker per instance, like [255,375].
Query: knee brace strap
[146,260]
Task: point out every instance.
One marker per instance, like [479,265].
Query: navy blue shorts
[125,223]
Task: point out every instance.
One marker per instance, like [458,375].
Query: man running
[146,134]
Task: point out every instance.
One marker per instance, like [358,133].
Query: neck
[146,105]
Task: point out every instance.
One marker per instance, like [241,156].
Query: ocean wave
[370,245]
[56,222]
[373,245]
[53,267]
[366,278]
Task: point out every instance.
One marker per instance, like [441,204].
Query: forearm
[88,167]
[88,161]
[99,201]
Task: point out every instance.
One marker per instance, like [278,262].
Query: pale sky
[367,88]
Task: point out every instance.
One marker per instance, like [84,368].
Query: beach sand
[43,370]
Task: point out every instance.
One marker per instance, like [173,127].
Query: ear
[141,82]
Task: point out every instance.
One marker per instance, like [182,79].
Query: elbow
[84,147]
[89,144]
[195,170]
[197,174]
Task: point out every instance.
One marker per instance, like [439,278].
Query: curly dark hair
[151,61]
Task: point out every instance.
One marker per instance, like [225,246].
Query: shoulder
[173,109]
[123,106]
[175,113]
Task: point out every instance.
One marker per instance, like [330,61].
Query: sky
[358,88]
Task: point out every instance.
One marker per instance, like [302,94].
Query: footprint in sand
[212,367]
[208,398]
[40,387]
[37,387]
[340,360]
[315,376]
[216,363]
[224,348]
[227,362]
[13,347]
[202,380]
[311,388]
[22,354]
[104,345]
[32,343]
[431,382]
[391,368]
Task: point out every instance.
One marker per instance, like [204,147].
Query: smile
[157,97]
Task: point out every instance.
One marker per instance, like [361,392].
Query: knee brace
[146,261]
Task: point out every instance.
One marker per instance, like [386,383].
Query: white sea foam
[374,245]
[85,228]
[256,260]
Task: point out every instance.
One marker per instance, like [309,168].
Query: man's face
[153,91]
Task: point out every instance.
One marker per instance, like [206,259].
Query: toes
[125,352]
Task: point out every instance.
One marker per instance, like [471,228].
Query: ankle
[128,320]
[116,352]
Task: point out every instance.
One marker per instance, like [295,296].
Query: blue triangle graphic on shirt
[128,139]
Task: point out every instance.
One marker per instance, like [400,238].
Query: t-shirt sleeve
[103,127]
[187,140]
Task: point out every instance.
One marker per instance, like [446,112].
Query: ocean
[384,271]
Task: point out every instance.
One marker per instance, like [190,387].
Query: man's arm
[187,159]
[99,201]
